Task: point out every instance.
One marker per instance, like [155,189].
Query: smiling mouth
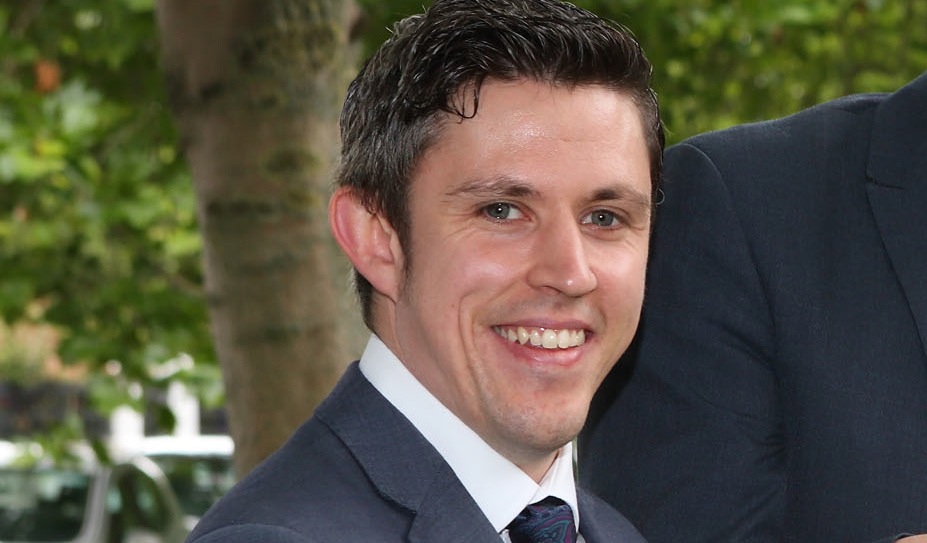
[544,338]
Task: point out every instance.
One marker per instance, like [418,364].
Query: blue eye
[601,218]
[501,211]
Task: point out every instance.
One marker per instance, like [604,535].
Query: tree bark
[256,88]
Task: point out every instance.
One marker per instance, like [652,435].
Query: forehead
[531,136]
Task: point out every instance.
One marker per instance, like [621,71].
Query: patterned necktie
[547,521]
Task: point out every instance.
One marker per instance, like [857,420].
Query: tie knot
[547,521]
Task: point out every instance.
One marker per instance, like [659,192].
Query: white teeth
[535,336]
[549,339]
[543,337]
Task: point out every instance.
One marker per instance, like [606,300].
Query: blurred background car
[199,468]
[83,500]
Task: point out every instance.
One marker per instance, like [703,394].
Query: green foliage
[21,361]
[724,62]
[97,213]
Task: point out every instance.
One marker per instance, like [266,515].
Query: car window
[42,504]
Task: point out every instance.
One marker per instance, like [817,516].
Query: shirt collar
[499,487]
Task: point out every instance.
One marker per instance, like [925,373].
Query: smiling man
[524,271]
[498,168]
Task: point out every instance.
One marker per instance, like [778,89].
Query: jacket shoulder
[823,124]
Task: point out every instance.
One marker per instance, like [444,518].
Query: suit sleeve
[690,447]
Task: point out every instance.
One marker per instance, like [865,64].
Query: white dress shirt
[499,487]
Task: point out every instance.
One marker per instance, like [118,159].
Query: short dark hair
[435,63]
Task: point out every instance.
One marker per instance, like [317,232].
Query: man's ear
[368,240]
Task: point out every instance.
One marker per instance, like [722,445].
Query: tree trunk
[256,88]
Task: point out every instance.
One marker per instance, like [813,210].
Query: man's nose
[561,262]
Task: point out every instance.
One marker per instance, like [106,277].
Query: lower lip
[539,356]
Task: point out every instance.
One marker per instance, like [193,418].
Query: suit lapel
[588,525]
[404,467]
[897,191]
[449,514]
[600,523]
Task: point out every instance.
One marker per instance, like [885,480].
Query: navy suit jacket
[778,386]
[359,471]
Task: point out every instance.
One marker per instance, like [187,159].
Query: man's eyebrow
[504,186]
[623,193]
[494,187]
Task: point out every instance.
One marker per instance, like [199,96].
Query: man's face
[529,233]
